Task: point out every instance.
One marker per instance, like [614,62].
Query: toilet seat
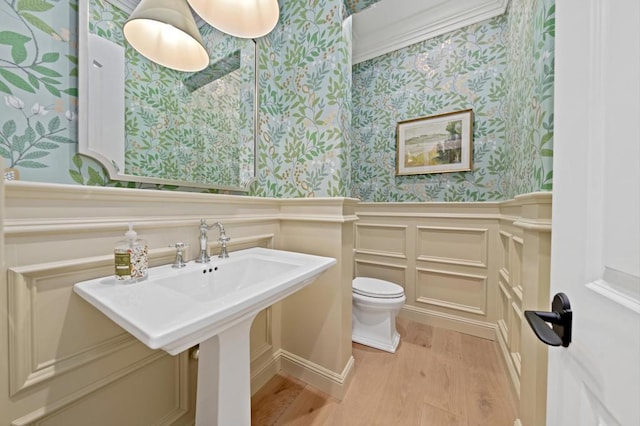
[379,289]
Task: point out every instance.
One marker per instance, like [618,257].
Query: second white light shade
[239,18]
[165,32]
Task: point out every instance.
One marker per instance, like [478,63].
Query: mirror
[147,123]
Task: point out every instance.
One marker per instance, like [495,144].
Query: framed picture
[440,143]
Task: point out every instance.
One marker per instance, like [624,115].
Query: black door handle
[560,317]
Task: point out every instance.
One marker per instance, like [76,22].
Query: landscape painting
[436,144]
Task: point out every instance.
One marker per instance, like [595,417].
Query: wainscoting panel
[516,318]
[49,333]
[161,383]
[449,260]
[382,240]
[525,241]
[260,337]
[516,262]
[455,291]
[69,364]
[474,268]
[381,270]
[453,245]
[504,302]
[505,254]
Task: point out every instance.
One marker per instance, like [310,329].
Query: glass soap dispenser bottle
[130,256]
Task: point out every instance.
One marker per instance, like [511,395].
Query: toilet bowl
[376,304]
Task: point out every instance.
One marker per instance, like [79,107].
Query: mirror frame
[101,131]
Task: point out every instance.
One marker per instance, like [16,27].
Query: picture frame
[441,143]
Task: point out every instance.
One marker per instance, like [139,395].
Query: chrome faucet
[223,239]
[204,257]
[179,262]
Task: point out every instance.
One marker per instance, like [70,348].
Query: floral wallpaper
[38,70]
[502,69]
[529,100]
[304,89]
[309,145]
[459,70]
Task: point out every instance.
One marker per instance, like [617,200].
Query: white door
[596,213]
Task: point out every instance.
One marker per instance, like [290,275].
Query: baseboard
[476,328]
[263,371]
[316,375]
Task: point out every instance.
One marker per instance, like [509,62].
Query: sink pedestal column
[224,379]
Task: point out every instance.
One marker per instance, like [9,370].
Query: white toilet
[376,304]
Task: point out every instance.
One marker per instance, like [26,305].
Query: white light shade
[164,31]
[239,18]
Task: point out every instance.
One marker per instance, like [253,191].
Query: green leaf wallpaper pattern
[460,70]
[502,68]
[529,101]
[304,89]
[307,146]
[37,81]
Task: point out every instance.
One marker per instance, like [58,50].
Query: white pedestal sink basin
[210,304]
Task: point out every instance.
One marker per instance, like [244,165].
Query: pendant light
[239,18]
[165,32]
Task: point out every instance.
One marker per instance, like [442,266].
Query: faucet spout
[203,257]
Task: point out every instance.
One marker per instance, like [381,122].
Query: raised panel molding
[505,251]
[455,287]
[514,347]
[47,411]
[491,302]
[24,283]
[450,244]
[261,341]
[516,263]
[514,375]
[482,329]
[503,311]
[65,359]
[381,240]
[381,270]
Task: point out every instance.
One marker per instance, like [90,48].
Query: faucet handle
[179,262]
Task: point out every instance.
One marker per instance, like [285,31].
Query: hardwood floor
[436,378]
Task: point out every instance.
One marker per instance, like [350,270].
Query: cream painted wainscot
[65,363]
[469,267]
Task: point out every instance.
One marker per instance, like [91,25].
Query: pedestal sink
[212,305]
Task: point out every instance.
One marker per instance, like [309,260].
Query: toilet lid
[373,287]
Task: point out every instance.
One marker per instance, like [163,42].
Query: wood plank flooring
[436,378]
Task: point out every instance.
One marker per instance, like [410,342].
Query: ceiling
[390,25]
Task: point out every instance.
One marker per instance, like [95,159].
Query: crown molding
[390,25]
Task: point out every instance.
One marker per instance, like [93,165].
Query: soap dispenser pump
[131,259]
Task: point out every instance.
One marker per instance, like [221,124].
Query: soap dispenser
[131,260]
